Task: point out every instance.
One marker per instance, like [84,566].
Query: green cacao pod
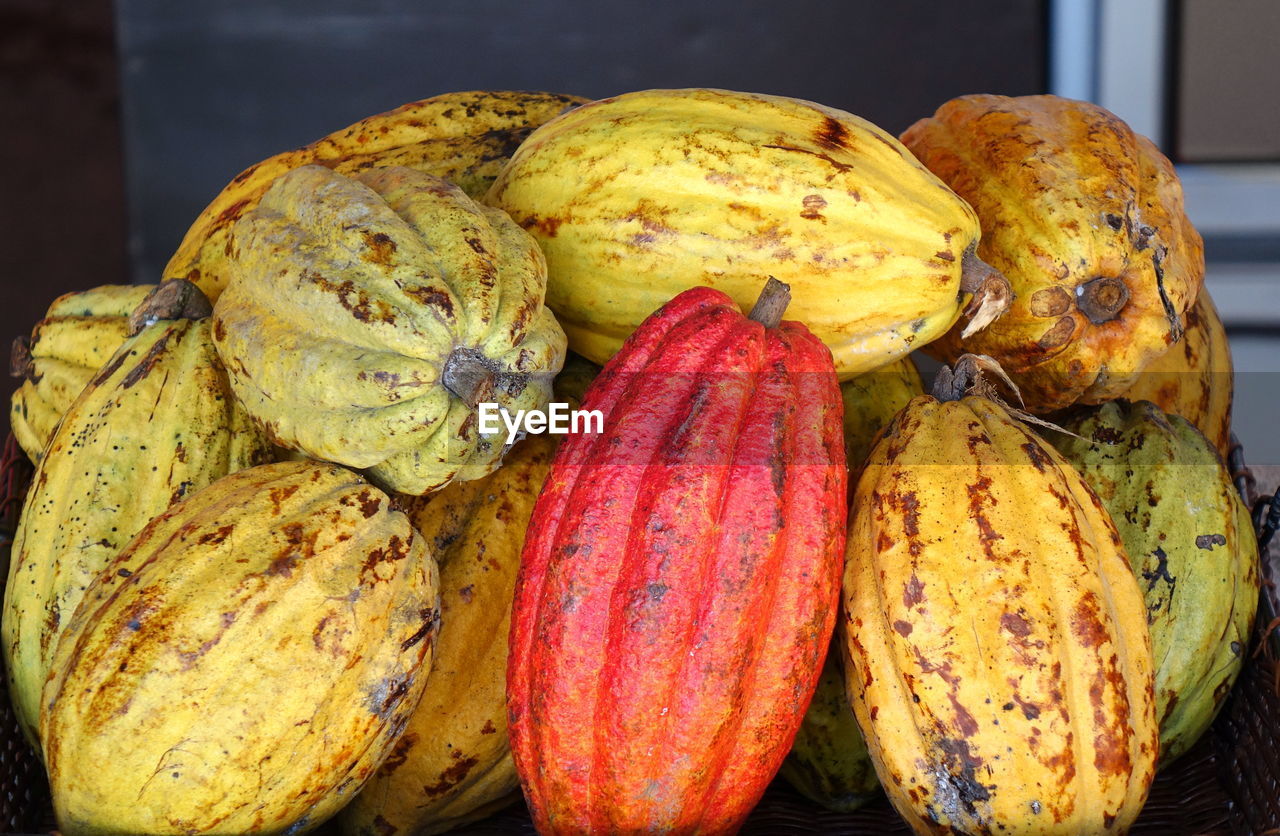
[157,423]
[998,658]
[679,582]
[366,318]
[1191,544]
[453,762]
[245,663]
[78,334]
[829,762]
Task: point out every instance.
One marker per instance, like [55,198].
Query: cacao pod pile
[765,551]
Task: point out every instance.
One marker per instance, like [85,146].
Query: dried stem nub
[771,304]
[172,299]
[469,375]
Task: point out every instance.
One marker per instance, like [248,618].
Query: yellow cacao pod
[1194,377]
[1086,219]
[638,197]
[453,763]
[998,655]
[78,334]
[366,317]
[246,663]
[463,137]
[871,401]
[157,423]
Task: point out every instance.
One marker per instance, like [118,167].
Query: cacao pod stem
[991,292]
[469,376]
[1102,298]
[172,299]
[771,304]
[954,382]
[20,362]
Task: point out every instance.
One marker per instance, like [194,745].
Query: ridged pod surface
[1086,220]
[871,401]
[679,582]
[157,423]
[453,762]
[1194,378]
[998,656]
[1191,544]
[78,334]
[367,317]
[246,663]
[463,137]
[640,196]
[829,762]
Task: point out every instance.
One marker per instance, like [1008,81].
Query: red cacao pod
[680,579]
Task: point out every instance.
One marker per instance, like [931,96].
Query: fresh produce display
[367,317]
[997,649]
[1191,544]
[1194,377]
[156,424]
[245,663]
[453,762]
[78,334]
[279,570]
[679,582]
[638,197]
[465,138]
[1085,219]
[829,762]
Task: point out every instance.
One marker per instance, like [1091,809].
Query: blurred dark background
[123,119]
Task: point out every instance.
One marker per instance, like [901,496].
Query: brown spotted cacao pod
[1194,378]
[1086,220]
[998,656]
[463,137]
[679,582]
[246,663]
[453,763]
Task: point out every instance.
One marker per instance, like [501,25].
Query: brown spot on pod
[1058,335]
[813,206]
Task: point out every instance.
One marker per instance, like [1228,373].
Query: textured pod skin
[679,582]
[1191,543]
[1194,377]
[156,424]
[78,334]
[246,663]
[1079,212]
[870,402]
[829,762]
[453,762]
[464,137]
[638,197]
[998,655]
[350,298]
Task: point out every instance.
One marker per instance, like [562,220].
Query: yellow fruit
[453,763]
[462,137]
[79,333]
[1194,377]
[157,423]
[1086,219]
[870,402]
[368,317]
[998,658]
[246,663]
[641,196]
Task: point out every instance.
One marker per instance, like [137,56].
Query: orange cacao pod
[1085,219]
